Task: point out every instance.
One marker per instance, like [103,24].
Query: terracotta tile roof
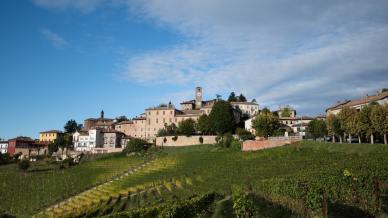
[360,101]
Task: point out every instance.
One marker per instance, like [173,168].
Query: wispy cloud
[306,53]
[55,40]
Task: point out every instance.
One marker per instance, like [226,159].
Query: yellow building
[49,136]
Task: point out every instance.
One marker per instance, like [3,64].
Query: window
[149,112]
[164,120]
[157,112]
[163,112]
[156,120]
[171,112]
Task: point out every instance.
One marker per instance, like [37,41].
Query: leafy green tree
[186,127]
[232,97]
[71,126]
[244,134]
[168,130]
[365,122]
[334,127]
[52,147]
[221,118]
[317,128]
[242,98]
[379,120]
[63,142]
[286,112]
[136,145]
[345,116]
[204,125]
[265,123]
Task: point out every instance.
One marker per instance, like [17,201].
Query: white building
[248,125]
[3,147]
[87,141]
[248,108]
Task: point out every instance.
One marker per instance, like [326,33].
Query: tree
[286,112]
[63,141]
[345,116]
[24,164]
[242,98]
[265,123]
[71,126]
[121,118]
[317,128]
[204,125]
[221,118]
[186,127]
[334,127]
[379,120]
[136,145]
[232,97]
[52,147]
[254,100]
[365,123]
[168,130]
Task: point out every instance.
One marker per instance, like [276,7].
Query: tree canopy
[265,123]
[232,97]
[221,117]
[71,126]
[317,128]
[204,125]
[186,127]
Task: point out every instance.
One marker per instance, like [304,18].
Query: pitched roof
[359,101]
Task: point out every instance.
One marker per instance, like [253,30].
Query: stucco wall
[185,141]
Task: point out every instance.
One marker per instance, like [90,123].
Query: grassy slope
[218,170]
[24,194]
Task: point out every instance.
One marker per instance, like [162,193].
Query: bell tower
[102,115]
[198,97]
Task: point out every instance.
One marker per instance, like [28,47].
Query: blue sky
[67,59]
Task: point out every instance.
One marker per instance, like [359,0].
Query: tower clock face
[199,94]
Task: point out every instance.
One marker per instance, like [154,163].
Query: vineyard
[300,180]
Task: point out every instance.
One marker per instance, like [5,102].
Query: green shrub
[244,205]
[236,145]
[200,140]
[175,138]
[24,165]
[136,145]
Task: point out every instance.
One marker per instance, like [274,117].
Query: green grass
[178,173]
[24,194]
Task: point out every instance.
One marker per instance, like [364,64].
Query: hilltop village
[105,135]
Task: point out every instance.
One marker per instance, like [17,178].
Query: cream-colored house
[380,98]
[248,108]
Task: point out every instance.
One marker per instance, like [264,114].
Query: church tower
[198,97]
[102,115]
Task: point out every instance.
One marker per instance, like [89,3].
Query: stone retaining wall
[184,140]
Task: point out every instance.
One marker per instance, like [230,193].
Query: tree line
[365,124]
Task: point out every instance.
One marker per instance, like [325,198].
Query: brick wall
[251,145]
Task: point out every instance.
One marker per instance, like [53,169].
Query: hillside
[297,180]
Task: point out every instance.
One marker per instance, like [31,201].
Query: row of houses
[103,134]
[108,134]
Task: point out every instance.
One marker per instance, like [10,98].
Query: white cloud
[305,53]
[56,40]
